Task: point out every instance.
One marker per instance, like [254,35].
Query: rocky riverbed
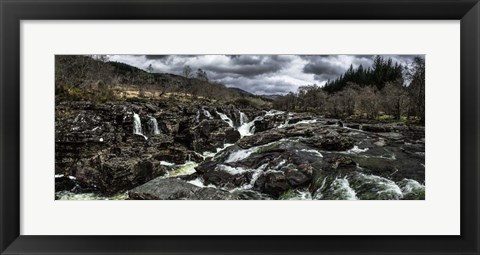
[200,151]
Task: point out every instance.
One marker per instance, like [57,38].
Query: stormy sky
[259,74]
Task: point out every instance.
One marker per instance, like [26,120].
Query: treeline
[385,88]
[94,78]
[379,74]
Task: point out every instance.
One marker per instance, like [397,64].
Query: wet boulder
[335,188]
[225,176]
[249,195]
[151,107]
[112,174]
[71,184]
[378,128]
[176,154]
[261,138]
[269,121]
[164,189]
[372,187]
[272,183]
[332,141]
[298,118]
[211,194]
[411,189]
[177,189]
[297,178]
[209,135]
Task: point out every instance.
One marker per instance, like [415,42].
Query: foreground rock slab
[178,189]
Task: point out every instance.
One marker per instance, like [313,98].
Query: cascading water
[153,124]
[197,118]
[207,113]
[225,118]
[243,118]
[274,112]
[137,126]
[245,127]
[248,128]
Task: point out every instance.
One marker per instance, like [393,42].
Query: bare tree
[202,75]
[150,68]
[416,89]
[187,72]
[368,101]
[395,99]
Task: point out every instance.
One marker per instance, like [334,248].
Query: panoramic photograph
[239,127]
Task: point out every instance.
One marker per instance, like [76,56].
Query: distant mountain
[271,97]
[241,91]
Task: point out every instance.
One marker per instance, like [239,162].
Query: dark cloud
[248,65]
[260,86]
[260,74]
[244,70]
[246,59]
[156,56]
[323,68]
[325,77]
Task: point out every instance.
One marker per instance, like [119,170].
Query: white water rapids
[154,126]
[137,126]
[342,187]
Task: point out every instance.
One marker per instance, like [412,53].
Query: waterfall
[137,126]
[243,118]
[207,113]
[248,128]
[226,119]
[152,122]
[274,112]
[197,118]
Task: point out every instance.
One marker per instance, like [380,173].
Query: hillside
[90,79]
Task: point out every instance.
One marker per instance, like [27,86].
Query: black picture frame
[13,11]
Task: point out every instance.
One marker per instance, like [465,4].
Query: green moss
[385,117]
[417,195]
[287,195]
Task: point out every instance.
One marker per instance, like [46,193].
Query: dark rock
[231,135]
[335,142]
[209,135]
[222,178]
[211,194]
[332,141]
[70,184]
[177,155]
[113,175]
[249,195]
[275,184]
[260,139]
[269,122]
[352,125]
[151,108]
[176,189]
[297,119]
[164,189]
[376,128]
[297,178]
[371,187]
